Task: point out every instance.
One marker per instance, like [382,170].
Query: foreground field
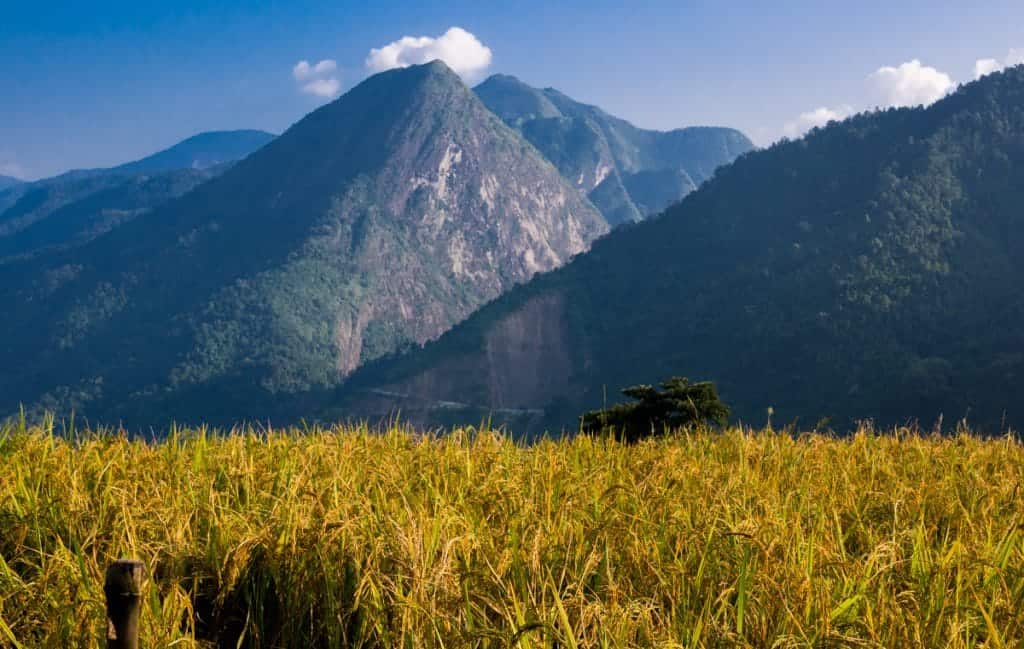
[342,538]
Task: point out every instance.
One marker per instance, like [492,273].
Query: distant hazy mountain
[9,191]
[59,215]
[376,222]
[874,269]
[627,172]
[6,182]
[75,206]
[200,152]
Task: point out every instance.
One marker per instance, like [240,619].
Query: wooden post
[123,588]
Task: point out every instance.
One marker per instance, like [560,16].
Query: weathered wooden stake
[123,588]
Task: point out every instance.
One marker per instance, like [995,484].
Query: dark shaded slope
[870,270]
[377,221]
[88,202]
[71,213]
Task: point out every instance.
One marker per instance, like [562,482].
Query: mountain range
[871,270]
[419,247]
[629,173]
[201,151]
[78,205]
[375,223]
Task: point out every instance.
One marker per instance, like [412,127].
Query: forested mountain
[64,214]
[873,269]
[200,151]
[376,222]
[6,182]
[627,172]
[76,206]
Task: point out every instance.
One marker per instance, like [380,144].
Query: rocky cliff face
[629,173]
[870,270]
[376,222]
[521,367]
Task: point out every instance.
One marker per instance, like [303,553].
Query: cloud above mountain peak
[910,84]
[317,79]
[459,49]
[817,117]
[988,66]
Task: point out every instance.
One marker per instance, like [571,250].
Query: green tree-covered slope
[78,205]
[61,214]
[376,222]
[870,270]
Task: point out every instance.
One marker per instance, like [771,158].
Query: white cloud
[460,50]
[303,70]
[817,117]
[985,66]
[322,87]
[910,84]
[317,79]
[988,66]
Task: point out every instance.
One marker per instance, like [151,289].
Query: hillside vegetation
[376,222]
[57,215]
[628,173]
[342,538]
[870,270]
[72,209]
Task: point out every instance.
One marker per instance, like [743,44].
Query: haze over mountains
[78,205]
[201,151]
[627,172]
[376,222]
[871,270]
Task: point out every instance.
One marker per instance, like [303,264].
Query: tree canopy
[680,403]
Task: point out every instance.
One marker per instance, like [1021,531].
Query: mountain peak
[436,70]
[437,66]
[400,88]
[502,79]
[200,151]
[514,101]
[204,137]
[612,162]
[878,275]
[377,221]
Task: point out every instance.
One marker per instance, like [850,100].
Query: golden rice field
[343,538]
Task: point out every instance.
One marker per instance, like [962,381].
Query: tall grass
[343,538]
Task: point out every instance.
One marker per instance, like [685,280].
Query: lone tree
[679,403]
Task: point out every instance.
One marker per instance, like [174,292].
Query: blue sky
[86,84]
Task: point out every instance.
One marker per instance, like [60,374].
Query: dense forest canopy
[377,221]
[872,269]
